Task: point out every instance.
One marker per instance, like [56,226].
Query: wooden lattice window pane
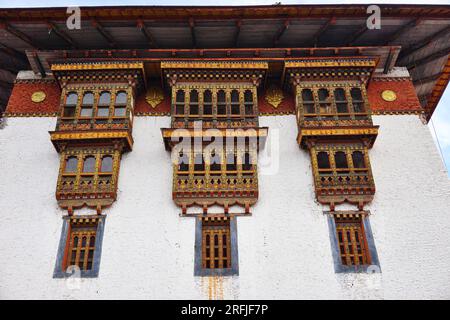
[216,245]
[352,242]
[81,245]
[199,162]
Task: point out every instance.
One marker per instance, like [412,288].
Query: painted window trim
[199,271]
[341,268]
[93,273]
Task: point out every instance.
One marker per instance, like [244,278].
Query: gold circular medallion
[389,95]
[38,96]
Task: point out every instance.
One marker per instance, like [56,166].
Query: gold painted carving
[213,65]
[389,95]
[38,96]
[274,96]
[154,96]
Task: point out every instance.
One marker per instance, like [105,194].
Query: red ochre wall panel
[406,102]
[20,102]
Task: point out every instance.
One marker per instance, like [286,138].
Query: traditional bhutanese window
[341,100]
[235,106]
[207,103]
[87,105]
[221,104]
[340,159]
[216,245]
[357,100]
[352,241]
[120,104]
[308,101]
[70,105]
[179,102]
[71,165]
[248,102]
[103,104]
[81,246]
[193,103]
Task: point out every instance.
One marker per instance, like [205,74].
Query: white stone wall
[284,247]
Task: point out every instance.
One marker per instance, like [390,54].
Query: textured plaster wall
[284,247]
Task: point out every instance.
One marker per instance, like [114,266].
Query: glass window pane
[69,111]
[323,160]
[180,96]
[88,99]
[86,112]
[102,111]
[340,160]
[105,99]
[71,164]
[107,163]
[358,159]
[120,111]
[71,99]
[121,98]
[89,164]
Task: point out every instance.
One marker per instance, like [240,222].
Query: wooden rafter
[403,29]
[147,34]
[355,36]
[192,27]
[316,37]
[429,58]
[427,79]
[417,46]
[104,33]
[280,32]
[13,53]
[19,34]
[52,27]
[238,31]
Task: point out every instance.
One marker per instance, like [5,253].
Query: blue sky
[440,122]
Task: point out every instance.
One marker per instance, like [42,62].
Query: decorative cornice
[29,115]
[97,66]
[214,65]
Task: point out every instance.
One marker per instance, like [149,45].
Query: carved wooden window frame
[331,86]
[214,88]
[97,176]
[97,90]
[88,266]
[351,171]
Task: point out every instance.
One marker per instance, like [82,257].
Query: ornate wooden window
[216,244]
[213,101]
[87,174]
[352,241]
[81,245]
[103,105]
[332,101]
[342,171]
